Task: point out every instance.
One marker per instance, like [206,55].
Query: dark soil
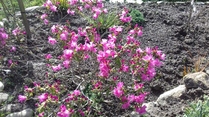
[166,26]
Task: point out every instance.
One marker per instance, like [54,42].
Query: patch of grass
[13,4]
[199,66]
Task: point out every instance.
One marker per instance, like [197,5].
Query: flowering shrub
[3,37]
[111,58]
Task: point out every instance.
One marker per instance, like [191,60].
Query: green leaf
[118,62]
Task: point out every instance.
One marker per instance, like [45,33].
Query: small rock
[31,9]
[3,97]
[195,80]
[176,93]
[151,108]
[8,108]
[1,24]
[25,113]
[1,86]
[207,70]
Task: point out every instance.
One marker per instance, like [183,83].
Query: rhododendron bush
[113,57]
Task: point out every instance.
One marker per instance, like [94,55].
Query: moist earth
[167,25]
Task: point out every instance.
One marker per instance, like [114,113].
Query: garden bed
[165,26]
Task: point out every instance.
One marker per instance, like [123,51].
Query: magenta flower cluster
[113,55]
[3,36]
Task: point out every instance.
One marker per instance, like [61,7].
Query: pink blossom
[13,49]
[71,12]
[56,68]
[67,53]
[43,97]
[53,8]
[41,114]
[141,110]
[80,8]
[148,50]
[54,29]
[52,41]
[76,92]
[140,98]
[126,105]
[131,98]
[118,92]
[138,86]
[64,112]
[105,11]
[73,2]
[120,85]
[22,98]
[124,68]
[48,56]
[64,36]
[44,16]
[66,64]
[46,22]
[16,31]
[125,19]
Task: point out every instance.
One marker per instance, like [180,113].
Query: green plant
[62,4]
[198,109]
[137,16]
[105,21]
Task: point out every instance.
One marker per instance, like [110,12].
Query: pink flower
[22,98]
[64,36]
[52,41]
[66,64]
[76,92]
[16,31]
[73,2]
[13,49]
[126,105]
[44,16]
[43,97]
[41,114]
[64,112]
[53,8]
[54,29]
[67,54]
[138,86]
[140,98]
[56,68]
[71,12]
[131,98]
[120,85]
[118,92]
[48,56]
[124,68]
[141,110]
[46,22]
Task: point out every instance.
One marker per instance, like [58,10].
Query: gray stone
[31,9]
[25,113]
[1,24]
[1,86]
[195,80]
[151,108]
[207,70]
[8,108]
[3,97]
[176,93]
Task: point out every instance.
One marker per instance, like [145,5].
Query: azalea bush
[111,58]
